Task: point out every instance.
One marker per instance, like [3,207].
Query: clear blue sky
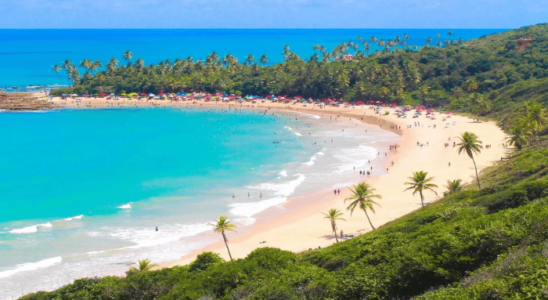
[271,13]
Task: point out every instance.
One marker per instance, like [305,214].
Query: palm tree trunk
[422,198]
[226,244]
[334,226]
[369,220]
[477,176]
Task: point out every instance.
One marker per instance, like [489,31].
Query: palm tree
[94,66]
[537,114]
[144,266]
[424,90]
[366,46]
[221,225]
[86,64]
[470,144]
[362,198]
[419,183]
[263,59]
[57,69]
[519,136]
[140,64]
[428,40]
[333,215]
[68,66]
[286,52]
[128,56]
[249,59]
[112,64]
[453,186]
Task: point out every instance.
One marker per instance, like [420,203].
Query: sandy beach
[300,224]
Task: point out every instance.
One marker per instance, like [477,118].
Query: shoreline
[300,225]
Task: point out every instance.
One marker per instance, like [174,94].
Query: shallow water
[83,190]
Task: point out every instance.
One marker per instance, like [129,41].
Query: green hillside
[472,244]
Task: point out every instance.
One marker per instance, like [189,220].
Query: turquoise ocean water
[27,56]
[82,191]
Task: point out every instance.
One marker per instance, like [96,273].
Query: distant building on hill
[347,56]
[521,44]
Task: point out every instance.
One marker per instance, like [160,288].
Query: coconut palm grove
[482,240]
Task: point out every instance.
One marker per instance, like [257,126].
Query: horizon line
[227,28]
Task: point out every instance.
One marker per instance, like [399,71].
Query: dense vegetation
[485,75]
[487,243]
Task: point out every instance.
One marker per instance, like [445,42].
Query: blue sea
[27,56]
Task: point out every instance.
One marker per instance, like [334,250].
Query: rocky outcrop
[23,101]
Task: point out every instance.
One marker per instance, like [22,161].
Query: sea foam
[354,157]
[291,129]
[31,266]
[125,206]
[313,159]
[30,229]
[74,218]
[281,192]
[148,237]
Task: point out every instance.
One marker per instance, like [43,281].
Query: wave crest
[31,266]
[30,229]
